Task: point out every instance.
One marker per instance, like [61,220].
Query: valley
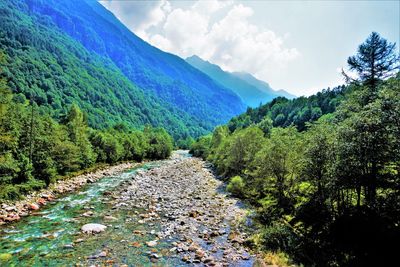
[199,133]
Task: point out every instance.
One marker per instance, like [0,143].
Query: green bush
[201,147]
[236,186]
[9,192]
[278,237]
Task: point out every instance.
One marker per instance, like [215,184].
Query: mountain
[261,85]
[76,51]
[251,90]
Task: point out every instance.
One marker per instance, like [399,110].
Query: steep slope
[251,90]
[164,74]
[49,67]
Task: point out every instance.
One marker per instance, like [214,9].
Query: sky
[298,46]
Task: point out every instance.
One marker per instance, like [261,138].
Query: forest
[322,173]
[52,69]
[36,150]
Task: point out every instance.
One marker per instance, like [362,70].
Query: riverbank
[14,210]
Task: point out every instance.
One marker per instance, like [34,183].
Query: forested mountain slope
[252,91]
[64,52]
[167,75]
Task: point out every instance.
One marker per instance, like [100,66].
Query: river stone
[33,206]
[103,254]
[93,228]
[152,243]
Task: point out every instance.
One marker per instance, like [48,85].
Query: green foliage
[235,152]
[376,60]
[236,186]
[201,147]
[35,149]
[277,237]
[160,143]
[47,66]
[326,194]
[284,112]
[185,143]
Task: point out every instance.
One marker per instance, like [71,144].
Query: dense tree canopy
[46,65]
[35,150]
[325,187]
[282,112]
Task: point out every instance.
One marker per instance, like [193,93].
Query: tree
[160,143]
[236,152]
[265,125]
[277,168]
[368,144]
[376,60]
[76,123]
[201,148]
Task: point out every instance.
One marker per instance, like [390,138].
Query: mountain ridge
[251,90]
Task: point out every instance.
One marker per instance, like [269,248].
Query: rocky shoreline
[187,201]
[14,211]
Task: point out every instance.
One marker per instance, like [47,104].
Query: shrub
[236,186]
[9,192]
[278,237]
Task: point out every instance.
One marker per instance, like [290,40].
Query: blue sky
[299,46]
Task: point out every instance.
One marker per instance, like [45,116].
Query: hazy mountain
[251,90]
[263,86]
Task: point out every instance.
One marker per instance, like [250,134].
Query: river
[52,235]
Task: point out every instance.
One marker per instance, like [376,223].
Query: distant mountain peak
[250,89]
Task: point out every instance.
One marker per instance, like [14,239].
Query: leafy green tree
[368,142]
[218,136]
[201,148]
[319,158]
[278,166]
[265,125]
[8,143]
[236,152]
[107,147]
[236,186]
[76,123]
[160,143]
[139,145]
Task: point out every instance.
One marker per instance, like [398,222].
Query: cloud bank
[219,31]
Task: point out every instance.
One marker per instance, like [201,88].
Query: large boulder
[93,228]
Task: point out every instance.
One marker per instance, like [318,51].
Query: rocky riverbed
[186,199]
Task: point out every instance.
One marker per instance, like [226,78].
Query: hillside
[166,75]
[64,52]
[251,90]
[285,112]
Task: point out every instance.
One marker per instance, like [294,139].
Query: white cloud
[218,31]
[139,16]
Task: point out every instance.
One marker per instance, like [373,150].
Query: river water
[52,236]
